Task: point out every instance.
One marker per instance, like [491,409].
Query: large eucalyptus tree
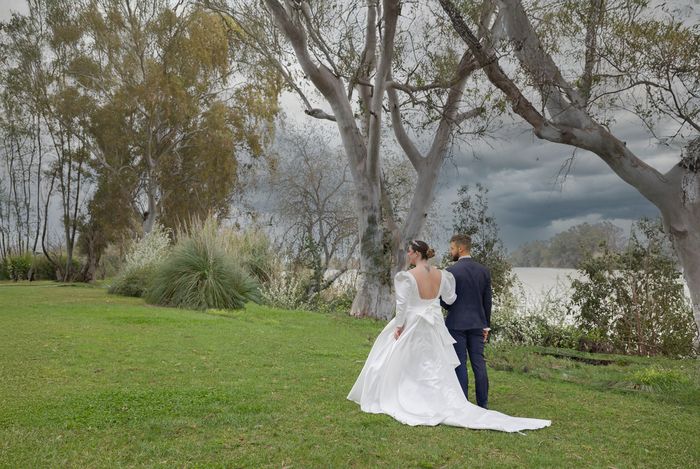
[580,59]
[373,63]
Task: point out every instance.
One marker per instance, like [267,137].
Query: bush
[144,255]
[18,266]
[633,302]
[544,322]
[287,290]
[254,251]
[112,261]
[336,300]
[659,379]
[44,269]
[199,274]
[133,281]
[4,274]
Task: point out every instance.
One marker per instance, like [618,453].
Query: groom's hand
[486,335]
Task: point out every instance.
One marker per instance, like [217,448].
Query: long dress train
[413,378]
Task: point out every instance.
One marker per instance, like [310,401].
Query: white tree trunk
[374,288]
[417,213]
[152,215]
[681,215]
[687,247]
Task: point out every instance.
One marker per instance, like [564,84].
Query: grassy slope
[89,379]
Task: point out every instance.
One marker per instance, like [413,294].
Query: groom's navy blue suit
[466,319]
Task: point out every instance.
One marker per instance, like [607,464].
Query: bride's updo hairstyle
[422,248]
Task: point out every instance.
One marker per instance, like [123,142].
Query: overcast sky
[520,172]
[8,6]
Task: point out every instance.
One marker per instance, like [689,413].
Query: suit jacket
[472,309]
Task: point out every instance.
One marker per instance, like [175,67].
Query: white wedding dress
[413,378]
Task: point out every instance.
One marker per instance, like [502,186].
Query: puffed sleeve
[402,286]
[448,288]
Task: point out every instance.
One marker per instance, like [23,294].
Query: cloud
[528,193]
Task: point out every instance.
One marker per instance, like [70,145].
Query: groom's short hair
[462,240]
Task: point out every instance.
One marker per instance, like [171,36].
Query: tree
[471,217]
[634,299]
[627,59]
[311,186]
[40,48]
[531,254]
[569,248]
[161,75]
[23,90]
[382,58]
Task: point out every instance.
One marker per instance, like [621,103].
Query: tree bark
[681,217]
[373,296]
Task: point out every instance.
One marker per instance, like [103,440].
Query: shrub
[4,274]
[132,281]
[140,263]
[287,290]
[112,261]
[199,274]
[659,379]
[634,301]
[544,321]
[254,251]
[44,269]
[336,300]
[18,266]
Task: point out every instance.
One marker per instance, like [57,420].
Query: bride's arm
[401,285]
[448,294]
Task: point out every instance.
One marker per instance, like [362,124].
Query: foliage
[4,274]
[569,248]
[137,271]
[288,290]
[45,269]
[660,379]
[128,104]
[544,322]
[200,274]
[176,126]
[18,266]
[471,217]
[634,300]
[312,185]
[335,300]
[253,249]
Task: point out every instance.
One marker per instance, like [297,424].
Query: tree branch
[591,136]
[319,114]
[414,155]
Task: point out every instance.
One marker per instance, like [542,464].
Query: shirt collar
[464,257]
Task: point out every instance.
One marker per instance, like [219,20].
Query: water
[537,283]
[551,284]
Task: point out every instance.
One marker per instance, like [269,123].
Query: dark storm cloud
[528,193]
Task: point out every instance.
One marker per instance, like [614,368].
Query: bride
[410,371]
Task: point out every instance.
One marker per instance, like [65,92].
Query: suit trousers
[471,342]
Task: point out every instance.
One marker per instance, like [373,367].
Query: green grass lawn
[93,380]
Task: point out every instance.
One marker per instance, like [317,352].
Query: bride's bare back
[428,281]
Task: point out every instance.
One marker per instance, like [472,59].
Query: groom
[469,317]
